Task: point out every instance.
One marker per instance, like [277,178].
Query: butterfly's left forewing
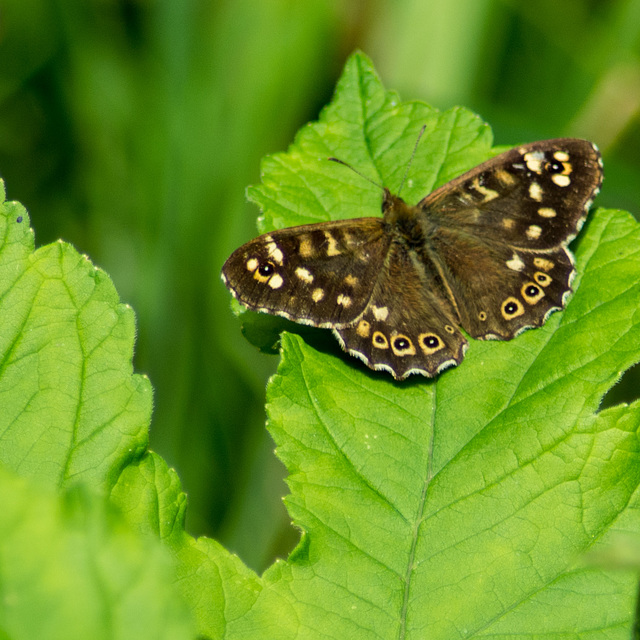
[502,231]
[319,274]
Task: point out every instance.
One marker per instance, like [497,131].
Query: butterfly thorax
[406,220]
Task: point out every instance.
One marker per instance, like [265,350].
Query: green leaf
[450,508]
[72,568]
[461,506]
[375,133]
[71,409]
[215,583]
[72,415]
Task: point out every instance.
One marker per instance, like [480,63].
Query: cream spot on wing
[542,279]
[351,281]
[533,232]
[515,264]
[563,156]
[535,192]
[276,281]
[547,212]
[252,264]
[402,345]
[343,300]
[511,308]
[505,178]
[379,313]
[534,160]
[464,198]
[274,252]
[262,278]
[306,248]
[561,180]
[363,329]
[531,293]
[379,340]
[332,249]
[304,275]
[489,194]
[317,295]
[430,343]
[508,223]
[543,263]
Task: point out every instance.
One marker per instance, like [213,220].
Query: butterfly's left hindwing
[499,290]
[408,326]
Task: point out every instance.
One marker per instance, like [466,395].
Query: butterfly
[486,253]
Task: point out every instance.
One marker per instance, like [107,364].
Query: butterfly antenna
[346,164]
[413,153]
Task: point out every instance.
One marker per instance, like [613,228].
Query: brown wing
[408,326]
[320,274]
[535,196]
[502,231]
[500,291]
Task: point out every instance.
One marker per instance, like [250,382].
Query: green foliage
[131,129]
[71,410]
[452,508]
[72,417]
[477,491]
[73,568]
[373,131]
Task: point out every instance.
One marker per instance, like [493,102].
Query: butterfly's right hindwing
[320,274]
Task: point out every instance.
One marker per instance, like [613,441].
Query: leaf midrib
[419,516]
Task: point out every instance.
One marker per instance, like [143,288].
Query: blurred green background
[131,128]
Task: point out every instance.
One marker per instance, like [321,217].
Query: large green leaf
[72,416]
[449,508]
[375,132]
[457,507]
[71,410]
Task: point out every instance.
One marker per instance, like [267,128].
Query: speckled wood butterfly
[486,252]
